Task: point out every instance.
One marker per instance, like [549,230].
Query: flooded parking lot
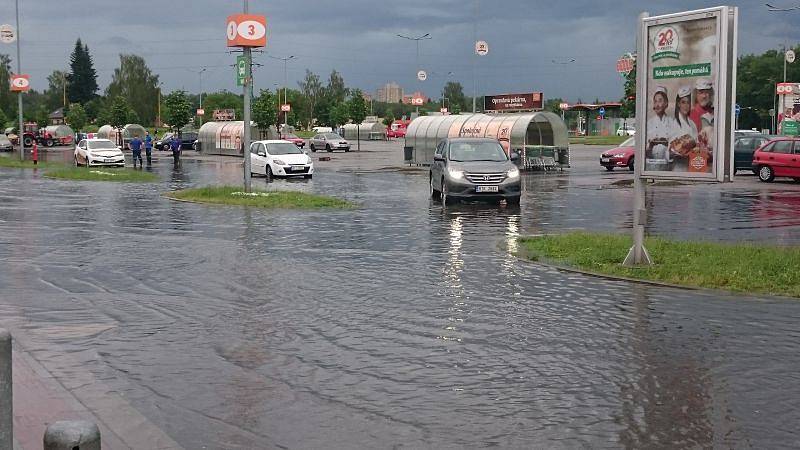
[400,324]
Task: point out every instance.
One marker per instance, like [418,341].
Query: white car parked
[279,159]
[626,132]
[98,152]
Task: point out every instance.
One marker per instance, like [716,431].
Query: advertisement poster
[688,91]
[530,101]
[681,114]
[788,108]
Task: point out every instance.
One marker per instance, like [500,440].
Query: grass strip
[117,174]
[15,163]
[305,134]
[234,195]
[747,268]
[598,140]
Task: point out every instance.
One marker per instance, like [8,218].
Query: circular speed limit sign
[422,75]
[482,48]
[790,56]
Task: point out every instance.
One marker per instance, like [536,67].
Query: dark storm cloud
[531,42]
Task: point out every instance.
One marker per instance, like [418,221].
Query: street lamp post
[285,85]
[20,139]
[417,39]
[474,57]
[786,45]
[200,74]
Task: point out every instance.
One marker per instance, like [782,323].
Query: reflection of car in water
[474,168]
[778,158]
[622,156]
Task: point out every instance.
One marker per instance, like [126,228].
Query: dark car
[622,156]
[744,146]
[187,141]
[778,158]
[473,168]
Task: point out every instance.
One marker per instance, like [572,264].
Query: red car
[298,141]
[621,156]
[778,158]
[398,133]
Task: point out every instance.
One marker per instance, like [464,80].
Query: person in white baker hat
[683,107]
[704,101]
[660,126]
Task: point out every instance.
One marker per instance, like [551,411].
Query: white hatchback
[279,159]
[98,152]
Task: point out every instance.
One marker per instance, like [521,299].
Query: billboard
[222,115]
[687,84]
[514,102]
[788,108]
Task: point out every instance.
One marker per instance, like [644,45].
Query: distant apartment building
[390,93]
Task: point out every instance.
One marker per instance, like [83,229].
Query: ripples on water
[397,324]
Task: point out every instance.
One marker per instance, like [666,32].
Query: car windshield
[332,136]
[628,143]
[166,136]
[283,148]
[102,145]
[477,151]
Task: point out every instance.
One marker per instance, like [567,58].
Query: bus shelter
[540,137]
[225,138]
[128,132]
[366,131]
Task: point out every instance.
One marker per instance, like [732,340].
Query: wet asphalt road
[399,324]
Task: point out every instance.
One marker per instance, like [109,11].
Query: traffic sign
[418,101]
[201,112]
[738,110]
[772,112]
[241,70]
[20,83]
[443,110]
[563,106]
[422,75]
[7,34]
[625,65]
[482,48]
[247,30]
[790,56]
[602,112]
[286,107]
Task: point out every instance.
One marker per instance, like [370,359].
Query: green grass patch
[305,134]
[120,174]
[598,140]
[234,195]
[15,163]
[735,267]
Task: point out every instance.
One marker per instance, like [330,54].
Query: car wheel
[313,150]
[308,177]
[796,180]
[27,142]
[609,168]
[513,200]
[268,173]
[328,148]
[766,174]
[631,165]
[49,143]
[76,161]
[434,193]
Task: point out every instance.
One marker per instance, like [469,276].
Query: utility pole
[201,92]
[474,57]
[20,140]
[417,39]
[248,93]
[285,86]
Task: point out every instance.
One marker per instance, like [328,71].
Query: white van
[322,130]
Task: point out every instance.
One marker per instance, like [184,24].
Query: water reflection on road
[396,324]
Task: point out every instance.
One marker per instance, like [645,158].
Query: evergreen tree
[82,86]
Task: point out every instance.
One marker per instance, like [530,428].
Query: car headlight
[513,173]
[455,174]
[619,155]
[309,160]
[278,162]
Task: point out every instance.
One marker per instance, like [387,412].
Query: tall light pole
[248,94]
[20,139]
[285,85]
[474,56]
[417,39]
[786,45]
[200,74]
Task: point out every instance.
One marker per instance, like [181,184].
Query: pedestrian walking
[135,145]
[148,147]
[175,145]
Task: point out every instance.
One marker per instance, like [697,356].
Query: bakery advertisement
[683,61]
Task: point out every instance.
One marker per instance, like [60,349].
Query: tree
[629,99]
[178,110]
[454,93]
[357,109]
[55,90]
[311,88]
[224,100]
[339,114]
[134,81]
[82,78]
[265,113]
[336,90]
[76,118]
[3,119]
[7,100]
[119,113]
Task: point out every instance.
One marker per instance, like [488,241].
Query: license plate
[605,159]
[298,168]
[110,160]
[486,189]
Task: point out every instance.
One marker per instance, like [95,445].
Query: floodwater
[399,324]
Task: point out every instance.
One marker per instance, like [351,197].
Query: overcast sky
[531,41]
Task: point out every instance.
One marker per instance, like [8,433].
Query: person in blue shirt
[175,145]
[136,147]
[148,147]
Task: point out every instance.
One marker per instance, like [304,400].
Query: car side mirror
[514,156]
[438,157]
[119,148]
[264,154]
